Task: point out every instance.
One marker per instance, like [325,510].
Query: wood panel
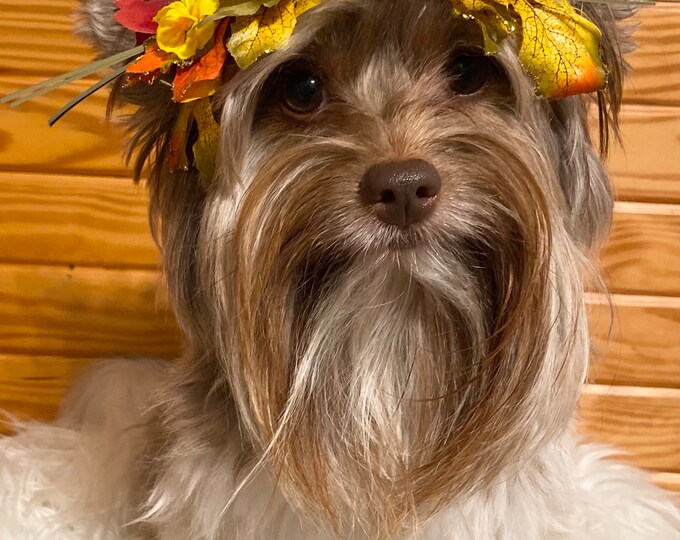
[74,220]
[640,345]
[38,38]
[642,255]
[642,421]
[33,386]
[82,142]
[647,170]
[669,481]
[647,165]
[83,312]
[655,76]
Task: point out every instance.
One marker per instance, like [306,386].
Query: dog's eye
[302,91]
[470,71]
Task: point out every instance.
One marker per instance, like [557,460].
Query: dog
[382,298]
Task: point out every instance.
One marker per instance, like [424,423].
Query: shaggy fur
[346,379]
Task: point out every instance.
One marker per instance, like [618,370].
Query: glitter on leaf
[265,31]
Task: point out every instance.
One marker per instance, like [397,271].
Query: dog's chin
[383,352]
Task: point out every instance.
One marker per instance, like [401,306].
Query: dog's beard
[376,377]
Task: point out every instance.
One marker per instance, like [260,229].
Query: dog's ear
[96,24]
[582,174]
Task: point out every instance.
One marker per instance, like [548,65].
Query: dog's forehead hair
[416,35]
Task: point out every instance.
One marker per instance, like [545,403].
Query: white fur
[74,481]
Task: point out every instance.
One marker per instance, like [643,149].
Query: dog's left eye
[470,71]
[302,91]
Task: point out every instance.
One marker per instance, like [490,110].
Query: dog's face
[386,272]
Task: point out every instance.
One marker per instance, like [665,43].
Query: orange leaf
[202,78]
[152,60]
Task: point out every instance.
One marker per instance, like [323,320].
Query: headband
[186,44]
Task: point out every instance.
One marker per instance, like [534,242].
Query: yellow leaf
[236,8]
[206,145]
[560,49]
[495,19]
[304,5]
[266,31]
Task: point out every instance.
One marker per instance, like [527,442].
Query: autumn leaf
[265,31]
[202,78]
[138,15]
[560,49]
[177,146]
[304,5]
[238,8]
[152,60]
[148,67]
[495,19]
[206,146]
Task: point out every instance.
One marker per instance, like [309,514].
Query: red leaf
[138,15]
[202,78]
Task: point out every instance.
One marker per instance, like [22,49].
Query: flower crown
[186,44]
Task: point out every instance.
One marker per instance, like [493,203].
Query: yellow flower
[179,31]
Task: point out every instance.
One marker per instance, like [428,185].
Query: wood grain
[77,220]
[83,312]
[647,165]
[33,386]
[82,142]
[642,421]
[640,346]
[669,481]
[97,221]
[38,38]
[642,255]
[655,76]
[648,169]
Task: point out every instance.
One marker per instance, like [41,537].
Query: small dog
[382,295]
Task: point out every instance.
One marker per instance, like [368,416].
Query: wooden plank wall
[78,268]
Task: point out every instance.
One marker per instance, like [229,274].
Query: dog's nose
[401,192]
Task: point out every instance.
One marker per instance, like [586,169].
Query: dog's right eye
[302,91]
